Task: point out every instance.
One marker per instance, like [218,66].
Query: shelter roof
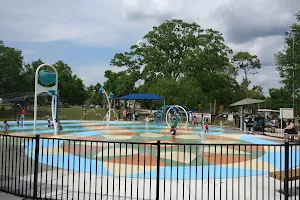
[246,101]
[140,96]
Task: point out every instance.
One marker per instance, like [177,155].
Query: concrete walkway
[8,196]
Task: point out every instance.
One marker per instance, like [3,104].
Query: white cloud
[264,48]
[93,74]
[254,25]
[99,23]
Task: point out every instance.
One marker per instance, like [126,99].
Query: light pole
[293,63]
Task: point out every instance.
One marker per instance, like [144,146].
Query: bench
[294,174]
[293,136]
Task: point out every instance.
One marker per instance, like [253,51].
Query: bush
[2,108]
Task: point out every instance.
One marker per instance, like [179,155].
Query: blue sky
[87,34]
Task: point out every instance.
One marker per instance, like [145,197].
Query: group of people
[5,125]
[58,125]
[194,124]
[288,131]
[204,123]
[19,119]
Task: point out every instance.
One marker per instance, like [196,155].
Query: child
[173,132]
[206,126]
[49,121]
[273,123]
[23,113]
[59,127]
[18,121]
[194,122]
[5,127]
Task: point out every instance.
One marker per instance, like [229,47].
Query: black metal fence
[50,168]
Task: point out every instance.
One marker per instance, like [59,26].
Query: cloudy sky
[87,34]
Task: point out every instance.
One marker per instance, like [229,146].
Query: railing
[49,168]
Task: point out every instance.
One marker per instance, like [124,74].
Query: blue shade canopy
[47,77]
[17,99]
[140,96]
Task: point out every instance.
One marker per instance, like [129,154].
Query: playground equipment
[172,114]
[111,96]
[46,78]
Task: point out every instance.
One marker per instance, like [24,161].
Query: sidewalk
[8,196]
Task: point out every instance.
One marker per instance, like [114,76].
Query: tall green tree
[179,56]
[93,95]
[71,88]
[278,98]
[247,63]
[29,74]
[288,60]
[120,83]
[11,67]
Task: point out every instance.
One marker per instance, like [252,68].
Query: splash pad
[134,146]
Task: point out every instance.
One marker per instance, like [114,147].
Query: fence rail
[51,168]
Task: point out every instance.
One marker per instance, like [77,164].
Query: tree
[278,98]
[288,60]
[29,74]
[247,63]
[71,88]
[179,56]
[11,67]
[93,95]
[120,83]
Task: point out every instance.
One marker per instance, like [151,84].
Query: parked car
[98,106]
[92,106]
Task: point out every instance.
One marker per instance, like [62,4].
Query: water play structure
[49,79]
[172,115]
[108,97]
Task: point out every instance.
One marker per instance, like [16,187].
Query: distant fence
[49,168]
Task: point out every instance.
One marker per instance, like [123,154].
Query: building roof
[267,110]
[140,96]
[17,99]
[246,101]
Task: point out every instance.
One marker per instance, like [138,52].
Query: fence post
[36,164]
[286,170]
[157,169]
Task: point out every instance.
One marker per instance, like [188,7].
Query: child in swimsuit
[206,126]
[5,127]
[59,127]
[173,132]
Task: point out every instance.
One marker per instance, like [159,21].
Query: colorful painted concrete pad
[94,144]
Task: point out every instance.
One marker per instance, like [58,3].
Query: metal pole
[157,169]
[286,170]
[294,113]
[36,165]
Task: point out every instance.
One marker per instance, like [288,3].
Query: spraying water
[105,118]
[85,114]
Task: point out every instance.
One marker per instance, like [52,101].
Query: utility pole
[292,33]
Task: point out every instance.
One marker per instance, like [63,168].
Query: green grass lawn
[64,114]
